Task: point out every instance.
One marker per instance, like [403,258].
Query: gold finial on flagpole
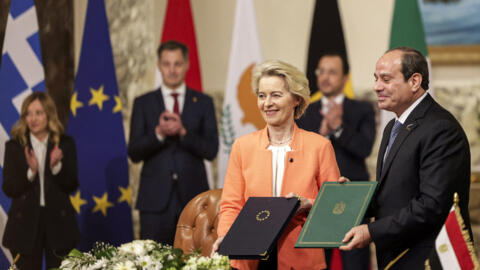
[13,266]
[456,199]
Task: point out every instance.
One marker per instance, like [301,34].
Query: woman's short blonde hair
[295,81]
[54,126]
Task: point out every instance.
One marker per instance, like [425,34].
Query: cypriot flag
[240,114]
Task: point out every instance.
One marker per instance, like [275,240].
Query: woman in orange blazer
[279,160]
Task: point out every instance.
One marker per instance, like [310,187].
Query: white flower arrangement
[141,255]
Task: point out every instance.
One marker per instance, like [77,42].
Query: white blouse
[40,150]
[279,154]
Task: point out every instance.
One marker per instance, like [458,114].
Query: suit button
[18,215]
[63,213]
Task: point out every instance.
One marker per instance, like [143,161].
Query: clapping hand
[332,119]
[55,156]
[170,124]
[334,115]
[324,129]
[32,160]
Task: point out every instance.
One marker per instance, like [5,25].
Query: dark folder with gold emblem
[257,227]
[337,208]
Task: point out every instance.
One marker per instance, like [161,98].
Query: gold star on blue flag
[99,135]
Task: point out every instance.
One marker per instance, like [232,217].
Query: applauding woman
[40,170]
[279,160]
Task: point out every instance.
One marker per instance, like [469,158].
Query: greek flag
[21,72]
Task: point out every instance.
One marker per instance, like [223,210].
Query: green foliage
[227,130]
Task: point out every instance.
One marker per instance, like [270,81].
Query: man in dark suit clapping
[350,126]
[172,130]
[424,158]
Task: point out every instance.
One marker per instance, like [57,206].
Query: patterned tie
[175,104]
[393,135]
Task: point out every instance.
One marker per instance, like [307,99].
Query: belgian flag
[326,37]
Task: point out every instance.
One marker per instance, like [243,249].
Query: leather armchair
[197,225]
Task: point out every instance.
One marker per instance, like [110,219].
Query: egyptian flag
[453,247]
[179,26]
[326,37]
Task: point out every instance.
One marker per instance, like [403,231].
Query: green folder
[337,208]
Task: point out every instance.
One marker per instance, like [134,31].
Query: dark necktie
[393,135]
[175,104]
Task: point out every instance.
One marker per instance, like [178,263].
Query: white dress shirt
[170,101]
[326,102]
[279,154]
[40,150]
[403,117]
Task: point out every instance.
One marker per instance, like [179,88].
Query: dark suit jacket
[183,157]
[356,141]
[428,161]
[23,216]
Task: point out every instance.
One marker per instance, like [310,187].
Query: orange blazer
[310,163]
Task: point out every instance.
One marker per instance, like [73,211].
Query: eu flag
[103,200]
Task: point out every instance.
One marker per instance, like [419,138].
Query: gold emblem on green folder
[262,215]
[330,218]
[339,208]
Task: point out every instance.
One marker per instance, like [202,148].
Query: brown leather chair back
[197,225]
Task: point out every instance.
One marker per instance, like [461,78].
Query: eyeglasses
[319,72]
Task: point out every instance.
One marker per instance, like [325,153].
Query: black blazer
[428,161]
[23,216]
[174,156]
[356,141]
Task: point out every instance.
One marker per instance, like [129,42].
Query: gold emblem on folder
[339,208]
[262,215]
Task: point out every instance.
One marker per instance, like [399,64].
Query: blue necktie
[393,135]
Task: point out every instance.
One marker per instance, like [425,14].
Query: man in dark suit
[172,130]
[424,158]
[350,126]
